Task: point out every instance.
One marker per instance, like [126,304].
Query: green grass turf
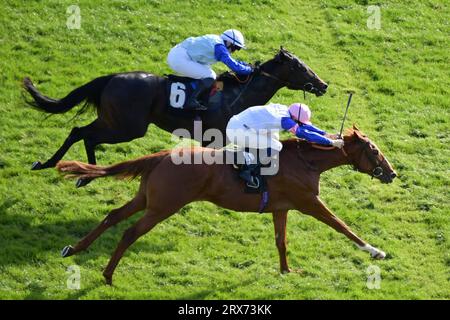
[401,77]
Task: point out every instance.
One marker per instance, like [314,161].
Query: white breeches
[180,62]
[244,137]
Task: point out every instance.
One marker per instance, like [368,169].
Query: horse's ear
[358,133]
[283,51]
[278,56]
[281,54]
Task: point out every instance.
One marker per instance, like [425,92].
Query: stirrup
[195,105]
[201,107]
[247,177]
[254,184]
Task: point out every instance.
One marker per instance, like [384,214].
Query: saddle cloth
[179,89]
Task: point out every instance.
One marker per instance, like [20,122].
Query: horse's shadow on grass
[203,294]
[30,241]
[36,242]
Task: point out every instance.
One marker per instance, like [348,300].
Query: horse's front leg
[279,222]
[314,206]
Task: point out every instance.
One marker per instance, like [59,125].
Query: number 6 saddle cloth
[179,89]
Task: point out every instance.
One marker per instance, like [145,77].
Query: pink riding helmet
[300,112]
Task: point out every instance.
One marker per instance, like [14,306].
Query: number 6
[177,95]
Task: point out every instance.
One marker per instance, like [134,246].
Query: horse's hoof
[37,165]
[380,255]
[108,279]
[67,251]
[82,182]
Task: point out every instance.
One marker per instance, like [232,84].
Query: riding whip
[345,114]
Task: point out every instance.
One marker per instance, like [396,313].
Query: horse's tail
[126,169]
[89,92]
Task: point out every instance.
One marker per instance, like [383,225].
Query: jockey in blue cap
[194,56]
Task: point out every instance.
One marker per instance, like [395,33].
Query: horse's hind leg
[95,132]
[89,146]
[113,218]
[90,152]
[144,225]
[99,133]
[75,135]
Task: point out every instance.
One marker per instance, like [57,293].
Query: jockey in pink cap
[265,122]
[300,125]
[258,128]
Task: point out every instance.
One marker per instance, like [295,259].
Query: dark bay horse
[296,186]
[128,102]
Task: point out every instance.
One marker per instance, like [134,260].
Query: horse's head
[294,73]
[366,157]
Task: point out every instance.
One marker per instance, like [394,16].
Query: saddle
[179,89]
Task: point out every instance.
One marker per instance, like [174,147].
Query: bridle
[305,87]
[377,171]
[246,81]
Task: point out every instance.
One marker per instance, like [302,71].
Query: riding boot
[203,85]
[265,159]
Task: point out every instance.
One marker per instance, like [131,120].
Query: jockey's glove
[338,143]
[256,67]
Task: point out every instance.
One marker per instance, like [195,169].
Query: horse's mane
[230,78]
[227,75]
[305,145]
[295,143]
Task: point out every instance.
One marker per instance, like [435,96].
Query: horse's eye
[375,152]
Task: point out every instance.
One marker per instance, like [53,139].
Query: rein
[377,171]
[248,80]
[320,147]
[239,80]
[304,87]
[316,146]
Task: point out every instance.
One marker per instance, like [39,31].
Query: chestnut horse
[296,186]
